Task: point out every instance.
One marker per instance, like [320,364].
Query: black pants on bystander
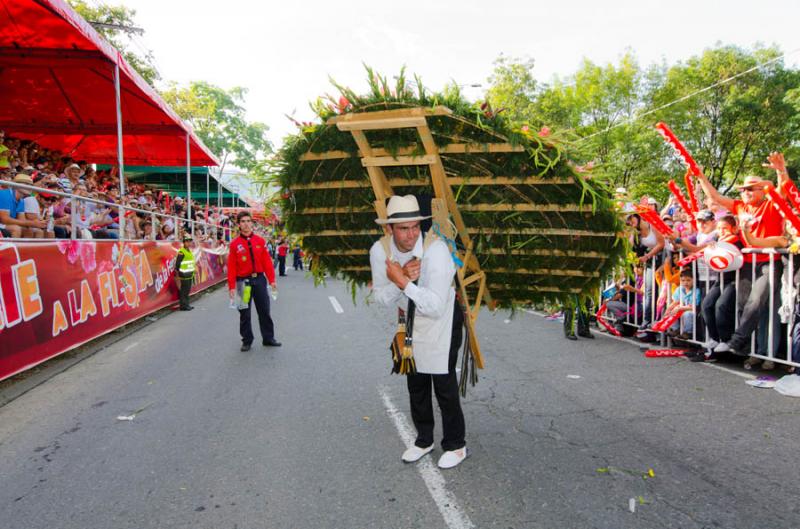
[260,297]
[754,305]
[719,309]
[184,286]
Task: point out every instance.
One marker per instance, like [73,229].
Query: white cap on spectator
[74,166]
[651,200]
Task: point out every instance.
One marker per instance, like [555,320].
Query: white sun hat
[402,209]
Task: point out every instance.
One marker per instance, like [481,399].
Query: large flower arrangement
[541,227]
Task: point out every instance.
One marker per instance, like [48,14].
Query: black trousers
[260,297]
[184,286]
[446,390]
[569,320]
[282,265]
[754,306]
[719,309]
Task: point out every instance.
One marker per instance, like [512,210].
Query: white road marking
[731,371]
[638,344]
[131,346]
[451,511]
[336,306]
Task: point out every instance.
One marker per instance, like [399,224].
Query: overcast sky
[283,52]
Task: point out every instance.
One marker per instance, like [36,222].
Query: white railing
[633,318]
[122,210]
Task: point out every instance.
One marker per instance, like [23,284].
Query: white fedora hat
[723,257]
[402,209]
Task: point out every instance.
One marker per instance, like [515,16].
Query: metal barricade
[75,200]
[768,348]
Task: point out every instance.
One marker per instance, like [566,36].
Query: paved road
[300,436]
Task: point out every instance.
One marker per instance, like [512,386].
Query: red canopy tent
[59,89]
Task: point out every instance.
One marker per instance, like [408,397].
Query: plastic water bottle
[50,220]
[273,292]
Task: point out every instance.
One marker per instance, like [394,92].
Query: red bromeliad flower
[488,111]
[344,105]
[544,131]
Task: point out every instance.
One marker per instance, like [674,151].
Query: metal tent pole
[120,157]
[189,185]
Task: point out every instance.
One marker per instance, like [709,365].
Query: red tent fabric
[58,89]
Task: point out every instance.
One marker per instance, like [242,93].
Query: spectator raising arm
[776,161]
[712,193]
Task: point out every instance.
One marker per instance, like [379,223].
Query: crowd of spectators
[44,214]
[702,301]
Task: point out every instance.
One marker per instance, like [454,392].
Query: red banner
[56,295]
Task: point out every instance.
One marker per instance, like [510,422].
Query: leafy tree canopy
[610,111]
[218,117]
[111,22]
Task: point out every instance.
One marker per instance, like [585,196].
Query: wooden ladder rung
[382,124]
[390,161]
[471,279]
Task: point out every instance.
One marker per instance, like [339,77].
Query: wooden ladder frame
[442,207]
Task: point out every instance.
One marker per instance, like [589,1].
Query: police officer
[184,272]
[248,261]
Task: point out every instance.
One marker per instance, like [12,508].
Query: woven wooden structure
[529,228]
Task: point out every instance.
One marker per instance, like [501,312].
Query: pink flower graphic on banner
[88,261]
[105,266]
[70,248]
[79,249]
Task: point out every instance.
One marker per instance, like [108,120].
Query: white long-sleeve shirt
[433,295]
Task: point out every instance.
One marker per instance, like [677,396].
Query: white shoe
[415,453]
[711,344]
[453,458]
[722,348]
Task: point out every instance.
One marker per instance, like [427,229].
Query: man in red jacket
[248,261]
[283,250]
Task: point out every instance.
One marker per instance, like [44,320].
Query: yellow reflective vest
[186,268]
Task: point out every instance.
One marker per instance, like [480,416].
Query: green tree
[114,23]
[588,108]
[609,111]
[513,88]
[731,128]
[218,117]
